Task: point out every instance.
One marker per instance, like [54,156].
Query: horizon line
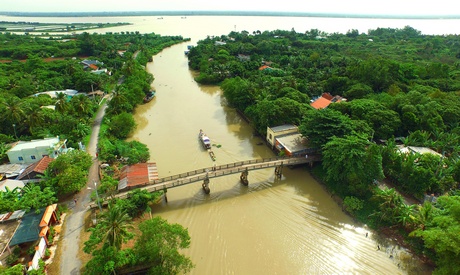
[228,13]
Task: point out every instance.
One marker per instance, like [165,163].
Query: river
[287,226]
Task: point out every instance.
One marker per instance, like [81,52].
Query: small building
[325,100]
[53,94]
[34,171]
[34,230]
[137,174]
[278,131]
[287,140]
[417,150]
[27,152]
[11,170]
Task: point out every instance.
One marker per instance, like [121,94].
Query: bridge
[205,174]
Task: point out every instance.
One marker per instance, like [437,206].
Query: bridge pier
[205,185]
[164,193]
[244,177]
[279,171]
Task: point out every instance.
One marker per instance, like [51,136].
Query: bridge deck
[214,172]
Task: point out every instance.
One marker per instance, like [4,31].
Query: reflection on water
[287,226]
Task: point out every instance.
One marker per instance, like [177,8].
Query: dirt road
[70,263]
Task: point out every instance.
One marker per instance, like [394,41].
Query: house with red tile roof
[137,175]
[326,99]
[35,170]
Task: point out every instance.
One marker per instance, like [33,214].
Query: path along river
[288,226]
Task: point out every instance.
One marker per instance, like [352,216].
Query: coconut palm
[61,103]
[115,224]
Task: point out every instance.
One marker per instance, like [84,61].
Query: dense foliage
[156,249]
[399,85]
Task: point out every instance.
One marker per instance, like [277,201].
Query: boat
[204,139]
[149,96]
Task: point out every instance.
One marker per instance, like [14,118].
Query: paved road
[70,263]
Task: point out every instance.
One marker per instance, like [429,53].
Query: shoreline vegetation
[223,13]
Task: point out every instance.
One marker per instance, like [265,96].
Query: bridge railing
[220,167]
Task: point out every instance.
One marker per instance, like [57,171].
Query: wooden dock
[217,171]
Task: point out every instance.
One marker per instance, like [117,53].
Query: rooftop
[137,174]
[293,143]
[283,128]
[47,142]
[37,167]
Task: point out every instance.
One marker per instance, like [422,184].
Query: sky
[373,7]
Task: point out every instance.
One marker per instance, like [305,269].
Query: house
[417,150]
[265,67]
[287,139]
[11,170]
[9,223]
[27,152]
[34,230]
[326,99]
[91,64]
[282,130]
[34,171]
[137,174]
[53,94]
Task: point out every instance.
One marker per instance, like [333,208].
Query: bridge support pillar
[164,192]
[244,177]
[279,171]
[205,185]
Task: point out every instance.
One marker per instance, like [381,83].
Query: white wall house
[27,152]
[278,131]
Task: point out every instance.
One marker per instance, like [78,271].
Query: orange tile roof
[264,67]
[320,103]
[47,215]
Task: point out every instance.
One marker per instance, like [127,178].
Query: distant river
[287,226]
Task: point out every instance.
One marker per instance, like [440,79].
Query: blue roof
[29,229]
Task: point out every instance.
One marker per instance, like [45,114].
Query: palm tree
[423,214]
[115,223]
[390,204]
[13,111]
[406,215]
[61,103]
[81,104]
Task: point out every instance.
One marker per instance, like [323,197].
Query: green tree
[441,235]
[159,244]
[113,229]
[319,126]
[33,197]
[353,161]
[390,203]
[61,103]
[121,125]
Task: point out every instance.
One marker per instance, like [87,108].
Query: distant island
[33,27]
[222,13]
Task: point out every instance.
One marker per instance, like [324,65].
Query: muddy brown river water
[287,226]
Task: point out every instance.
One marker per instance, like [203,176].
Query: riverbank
[395,235]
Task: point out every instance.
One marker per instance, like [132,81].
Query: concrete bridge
[205,174]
